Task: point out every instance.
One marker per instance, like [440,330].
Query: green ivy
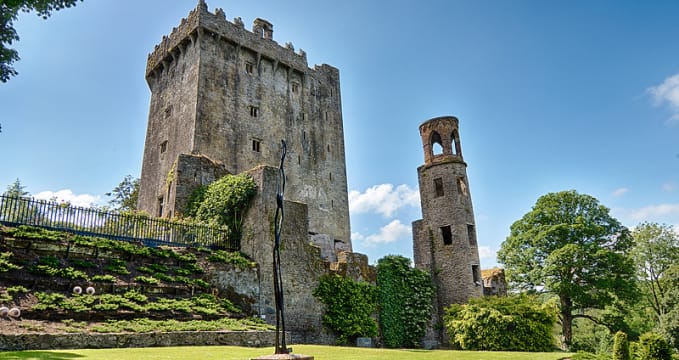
[405,299]
[349,306]
[224,202]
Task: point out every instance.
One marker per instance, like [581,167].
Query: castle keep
[222,98]
[444,240]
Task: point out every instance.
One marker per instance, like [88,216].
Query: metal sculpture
[281,347]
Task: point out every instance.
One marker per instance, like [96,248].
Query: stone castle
[444,240]
[222,98]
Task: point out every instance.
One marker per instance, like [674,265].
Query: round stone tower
[444,240]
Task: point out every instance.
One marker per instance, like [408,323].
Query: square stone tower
[222,98]
[444,240]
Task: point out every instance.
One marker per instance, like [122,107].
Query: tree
[16,190]
[505,323]
[125,195]
[570,245]
[656,249]
[9,12]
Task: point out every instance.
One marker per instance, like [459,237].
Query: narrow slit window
[256,144]
[471,234]
[447,235]
[295,87]
[476,275]
[249,68]
[163,146]
[438,187]
[254,111]
[160,206]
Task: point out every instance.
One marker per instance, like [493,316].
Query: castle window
[303,116]
[249,68]
[447,235]
[160,206]
[455,143]
[461,186]
[163,146]
[295,87]
[476,275]
[330,176]
[256,145]
[436,144]
[438,187]
[328,148]
[254,111]
[471,234]
[168,111]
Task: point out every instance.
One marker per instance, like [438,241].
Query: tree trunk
[566,322]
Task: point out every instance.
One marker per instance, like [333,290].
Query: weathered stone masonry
[444,240]
[222,98]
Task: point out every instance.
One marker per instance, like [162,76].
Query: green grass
[241,353]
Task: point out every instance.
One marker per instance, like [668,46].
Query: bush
[653,346]
[348,307]
[620,346]
[513,323]
[405,298]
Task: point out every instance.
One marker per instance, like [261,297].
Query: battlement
[200,22]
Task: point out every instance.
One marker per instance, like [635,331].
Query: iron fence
[152,232]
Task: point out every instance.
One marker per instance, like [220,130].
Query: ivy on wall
[405,301]
[223,202]
[349,306]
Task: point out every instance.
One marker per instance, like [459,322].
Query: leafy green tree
[507,323]
[570,245]
[669,322]
[405,301]
[656,249]
[16,190]
[620,346]
[653,346]
[9,12]
[125,195]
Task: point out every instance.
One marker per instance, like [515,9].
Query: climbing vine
[405,298]
[349,306]
[223,202]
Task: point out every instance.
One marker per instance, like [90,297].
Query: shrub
[5,263]
[620,346]
[231,257]
[405,301]
[103,278]
[653,346]
[513,323]
[348,307]
[117,266]
[147,280]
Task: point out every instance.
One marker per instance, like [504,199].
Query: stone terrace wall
[103,341]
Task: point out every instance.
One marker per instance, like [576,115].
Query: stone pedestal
[284,357]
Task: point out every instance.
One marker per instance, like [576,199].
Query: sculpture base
[284,357]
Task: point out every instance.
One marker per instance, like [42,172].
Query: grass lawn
[242,353]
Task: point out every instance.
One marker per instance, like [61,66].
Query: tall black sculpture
[281,347]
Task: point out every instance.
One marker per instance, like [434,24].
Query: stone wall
[103,341]
[221,91]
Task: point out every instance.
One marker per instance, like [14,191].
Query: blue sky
[551,96]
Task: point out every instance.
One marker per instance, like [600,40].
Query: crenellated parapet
[202,23]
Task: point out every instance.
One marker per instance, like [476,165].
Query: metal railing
[152,232]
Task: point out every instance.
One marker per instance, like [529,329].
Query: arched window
[436,144]
[455,143]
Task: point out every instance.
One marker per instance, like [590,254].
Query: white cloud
[661,213]
[620,191]
[389,233]
[383,199]
[66,195]
[667,93]
[669,187]
[485,252]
